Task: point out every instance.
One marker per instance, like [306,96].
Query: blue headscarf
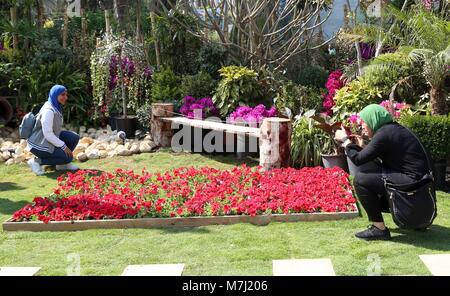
[53,96]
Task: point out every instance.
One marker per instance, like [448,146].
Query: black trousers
[369,187]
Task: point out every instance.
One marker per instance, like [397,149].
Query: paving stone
[438,264]
[18,271]
[303,267]
[154,270]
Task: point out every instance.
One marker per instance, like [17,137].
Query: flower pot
[112,123]
[354,169]
[331,161]
[439,172]
[128,125]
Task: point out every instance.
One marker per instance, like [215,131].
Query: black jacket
[396,147]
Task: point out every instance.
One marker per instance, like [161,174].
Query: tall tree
[260,32]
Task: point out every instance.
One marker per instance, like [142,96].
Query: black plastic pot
[112,122]
[336,160]
[439,171]
[129,125]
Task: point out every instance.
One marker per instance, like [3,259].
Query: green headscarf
[375,116]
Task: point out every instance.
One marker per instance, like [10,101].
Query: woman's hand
[359,141]
[68,152]
[340,135]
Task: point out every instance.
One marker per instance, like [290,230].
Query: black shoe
[374,233]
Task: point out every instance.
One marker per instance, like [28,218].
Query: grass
[241,249]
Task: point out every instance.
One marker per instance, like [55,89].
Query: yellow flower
[49,24]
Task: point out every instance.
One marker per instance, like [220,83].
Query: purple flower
[2,47]
[206,105]
[252,115]
[367,50]
[148,72]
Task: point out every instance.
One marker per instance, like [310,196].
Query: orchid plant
[120,75]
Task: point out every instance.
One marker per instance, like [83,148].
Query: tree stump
[162,130]
[275,143]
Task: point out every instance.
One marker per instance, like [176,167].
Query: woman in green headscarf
[402,157]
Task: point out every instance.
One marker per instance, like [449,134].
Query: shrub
[239,85]
[199,85]
[353,97]
[211,58]
[433,131]
[253,116]
[166,86]
[389,69]
[308,143]
[144,115]
[312,75]
[297,98]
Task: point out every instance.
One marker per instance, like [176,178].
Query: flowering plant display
[206,105]
[394,107]
[252,115]
[334,83]
[185,192]
[120,76]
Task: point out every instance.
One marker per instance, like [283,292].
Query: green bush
[312,75]
[200,85]
[144,115]
[308,143]
[239,85]
[211,58]
[166,86]
[433,131]
[353,97]
[298,98]
[390,69]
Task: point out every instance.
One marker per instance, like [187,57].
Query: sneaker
[35,167]
[374,233]
[67,167]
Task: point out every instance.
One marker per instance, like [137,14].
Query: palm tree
[426,34]
[436,68]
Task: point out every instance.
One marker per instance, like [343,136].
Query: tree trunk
[40,13]
[108,23]
[83,29]
[156,38]
[138,20]
[13,12]
[65,29]
[438,101]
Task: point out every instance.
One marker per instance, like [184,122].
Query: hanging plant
[120,76]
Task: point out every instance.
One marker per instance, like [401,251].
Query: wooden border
[173,222]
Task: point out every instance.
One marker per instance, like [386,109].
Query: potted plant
[119,77]
[334,156]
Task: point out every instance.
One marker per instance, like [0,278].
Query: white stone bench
[274,134]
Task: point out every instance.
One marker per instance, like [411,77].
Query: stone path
[303,267]
[18,271]
[438,265]
[154,270]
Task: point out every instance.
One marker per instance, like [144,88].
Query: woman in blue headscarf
[48,142]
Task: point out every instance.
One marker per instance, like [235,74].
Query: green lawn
[241,249]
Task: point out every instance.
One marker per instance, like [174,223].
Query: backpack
[27,125]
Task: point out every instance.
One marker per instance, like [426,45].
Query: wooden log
[162,130]
[275,143]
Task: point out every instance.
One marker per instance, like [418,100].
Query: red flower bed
[183,192]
